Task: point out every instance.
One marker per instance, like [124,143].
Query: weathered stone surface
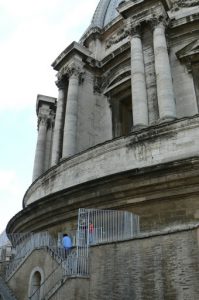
[151,146]
[153,172]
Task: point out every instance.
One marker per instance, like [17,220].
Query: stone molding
[188,54]
[61,83]
[111,77]
[138,155]
[72,69]
[178,4]
[46,120]
[133,24]
[116,38]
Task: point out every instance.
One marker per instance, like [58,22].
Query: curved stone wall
[148,147]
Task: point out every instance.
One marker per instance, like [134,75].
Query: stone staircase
[58,276]
[5,291]
[55,288]
[67,266]
[14,265]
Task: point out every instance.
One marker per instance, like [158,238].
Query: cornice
[103,193]
[42,99]
[73,48]
[133,143]
[126,8]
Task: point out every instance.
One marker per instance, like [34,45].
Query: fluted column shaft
[40,149]
[48,148]
[166,102]
[70,127]
[59,124]
[138,83]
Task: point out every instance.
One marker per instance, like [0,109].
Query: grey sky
[32,34]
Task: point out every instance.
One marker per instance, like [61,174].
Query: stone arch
[35,282]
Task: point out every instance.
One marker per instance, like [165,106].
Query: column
[59,123]
[138,83]
[70,126]
[48,148]
[166,102]
[40,148]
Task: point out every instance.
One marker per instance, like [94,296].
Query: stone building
[122,136]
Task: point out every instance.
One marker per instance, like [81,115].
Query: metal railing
[24,245]
[5,291]
[97,226]
[94,227]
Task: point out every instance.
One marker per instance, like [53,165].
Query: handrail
[24,249]
[7,293]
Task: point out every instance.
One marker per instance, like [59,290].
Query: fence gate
[82,241]
[97,226]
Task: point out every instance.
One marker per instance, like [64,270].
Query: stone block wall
[19,283]
[160,267]
[156,266]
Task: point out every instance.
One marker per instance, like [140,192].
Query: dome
[105,12]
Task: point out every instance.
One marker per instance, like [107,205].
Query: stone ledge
[147,147]
[165,231]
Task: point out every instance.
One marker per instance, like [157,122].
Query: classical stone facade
[123,134]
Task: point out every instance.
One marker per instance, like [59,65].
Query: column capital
[47,121]
[72,69]
[159,21]
[61,83]
[46,117]
[133,29]
[75,70]
[42,120]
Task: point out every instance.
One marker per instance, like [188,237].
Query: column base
[166,119]
[138,127]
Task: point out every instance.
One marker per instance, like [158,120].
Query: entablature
[129,8]
[71,50]
[46,100]
[189,54]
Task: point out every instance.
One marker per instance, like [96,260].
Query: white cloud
[11,192]
[41,30]
[32,35]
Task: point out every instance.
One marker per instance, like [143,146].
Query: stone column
[40,148]
[138,83]
[166,102]
[59,123]
[70,126]
[48,148]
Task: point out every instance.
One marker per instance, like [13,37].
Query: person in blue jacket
[67,243]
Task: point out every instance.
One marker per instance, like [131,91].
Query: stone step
[5,291]
[57,286]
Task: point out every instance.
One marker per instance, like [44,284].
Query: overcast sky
[32,35]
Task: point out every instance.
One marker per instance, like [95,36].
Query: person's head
[65,234]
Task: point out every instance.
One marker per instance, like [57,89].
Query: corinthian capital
[61,83]
[74,69]
[159,21]
[133,28]
[46,120]
[42,120]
